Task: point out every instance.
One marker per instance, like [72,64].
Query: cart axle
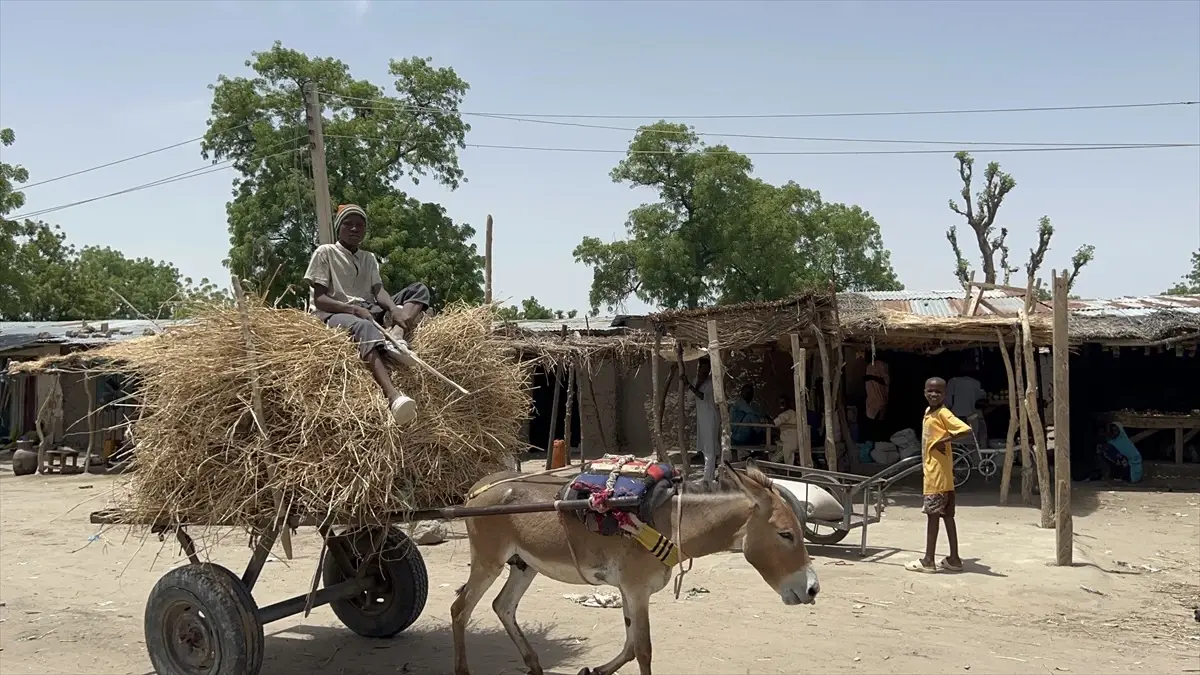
[294,606]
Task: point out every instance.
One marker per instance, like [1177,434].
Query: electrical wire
[193,173]
[879,113]
[620,151]
[125,159]
[384,105]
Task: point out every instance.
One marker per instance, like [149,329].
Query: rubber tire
[404,566]
[824,539]
[230,608]
[964,459]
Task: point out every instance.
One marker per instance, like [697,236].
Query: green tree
[532,310]
[1190,285]
[372,140]
[981,216]
[717,234]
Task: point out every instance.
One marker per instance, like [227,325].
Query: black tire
[830,539]
[402,585]
[201,620]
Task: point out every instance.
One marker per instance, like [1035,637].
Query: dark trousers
[368,335]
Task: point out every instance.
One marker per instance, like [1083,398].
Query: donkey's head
[774,541]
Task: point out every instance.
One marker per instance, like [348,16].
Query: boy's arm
[955,428]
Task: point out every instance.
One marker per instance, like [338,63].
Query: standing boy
[938,429]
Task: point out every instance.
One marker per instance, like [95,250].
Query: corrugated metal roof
[942,303]
[579,323]
[15,334]
[1137,306]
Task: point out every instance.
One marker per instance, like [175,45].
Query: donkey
[740,504]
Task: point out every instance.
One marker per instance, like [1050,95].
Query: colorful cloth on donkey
[616,476]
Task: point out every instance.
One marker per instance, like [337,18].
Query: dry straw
[335,451]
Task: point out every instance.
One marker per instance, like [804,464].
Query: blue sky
[83,84]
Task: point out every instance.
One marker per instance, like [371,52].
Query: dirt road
[71,601]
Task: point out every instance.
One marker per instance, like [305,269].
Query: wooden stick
[831,458]
[684,453]
[1009,448]
[487,263]
[1035,425]
[800,391]
[424,366]
[91,420]
[718,380]
[596,406]
[656,412]
[839,375]
[1063,526]
[567,416]
[256,409]
[553,417]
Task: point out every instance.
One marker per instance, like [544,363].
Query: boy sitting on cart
[938,429]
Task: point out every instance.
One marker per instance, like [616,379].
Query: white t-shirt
[348,275]
[962,393]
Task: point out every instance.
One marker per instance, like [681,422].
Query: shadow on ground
[319,650]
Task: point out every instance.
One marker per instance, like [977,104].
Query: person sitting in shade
[744,412]
[348,293]
[789,434]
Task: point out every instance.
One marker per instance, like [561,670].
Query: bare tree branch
[981,216]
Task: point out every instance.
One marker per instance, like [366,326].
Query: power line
[193,173]
[378,105]
[878,113]
[1144,146]
[123,160]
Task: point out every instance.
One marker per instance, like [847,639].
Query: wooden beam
[1064,527]
[831,457]
[1013,419]
[718,380]
[553,416]
[567,416]
[656,412]
[1179,445]
[1035,424]
[91,420]
[681,416]
[800,391]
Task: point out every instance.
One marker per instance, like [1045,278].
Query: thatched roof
[748,324]
[1160,326]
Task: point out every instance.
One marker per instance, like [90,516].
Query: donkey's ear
[755,492]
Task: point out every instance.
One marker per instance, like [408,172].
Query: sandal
[945,564]
[918,566]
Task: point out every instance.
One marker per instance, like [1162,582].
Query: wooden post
[681,417]
[256,409]
[839,376]
[1179,441]
[1027,463]
[1063,526]
[1009,447]
[1035,424]
[718,380]
[91,420]
[567,416]
[656,412]
[800,390]
[487,263]
[316,151]
[831,458]
[553,417]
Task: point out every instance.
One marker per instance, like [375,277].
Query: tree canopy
[43,278]
[372,140]
[980,218]
[718,234]
[1190,285]
[532,310]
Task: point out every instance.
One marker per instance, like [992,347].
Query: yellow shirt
[938,427]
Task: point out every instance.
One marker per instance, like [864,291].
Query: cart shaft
[296,605]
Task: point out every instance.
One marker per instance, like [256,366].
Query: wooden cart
[202,619]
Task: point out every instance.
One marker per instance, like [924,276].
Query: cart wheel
[961,468]
[829,538]
[402,584]
[201,620]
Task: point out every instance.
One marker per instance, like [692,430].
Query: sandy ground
[72,601]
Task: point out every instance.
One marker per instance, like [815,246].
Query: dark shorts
[940,504]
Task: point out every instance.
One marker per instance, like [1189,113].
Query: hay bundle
[329,443]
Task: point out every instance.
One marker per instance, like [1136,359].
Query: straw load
[327,444]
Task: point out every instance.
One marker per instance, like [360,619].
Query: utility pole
[316,151]
[487,263]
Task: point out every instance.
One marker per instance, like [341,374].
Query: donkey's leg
[520,576]
[483,574]
[635,603]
